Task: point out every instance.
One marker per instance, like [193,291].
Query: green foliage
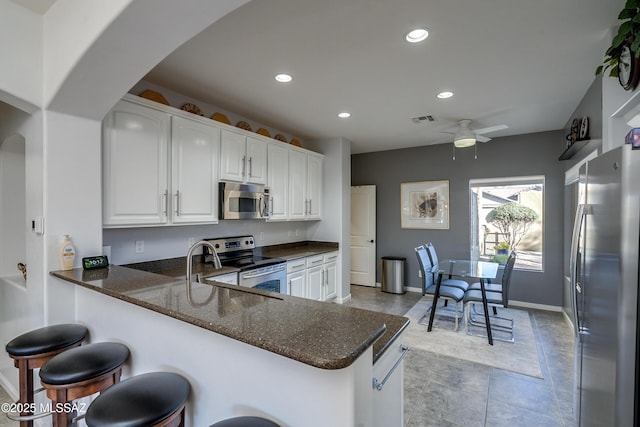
[513,219]
[502,245]
[627,33]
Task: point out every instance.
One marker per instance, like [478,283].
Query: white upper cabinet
[242,158]
[161,166]
[278,181]
[158,169]
[314,186]
[135,165]
[194,171]
[305,186]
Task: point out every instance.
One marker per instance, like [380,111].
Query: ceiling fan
[467,137]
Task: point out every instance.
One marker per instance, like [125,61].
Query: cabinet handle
[250,167]
[178,202]
[165,196]
[244,165]
[379,384]
[309,207]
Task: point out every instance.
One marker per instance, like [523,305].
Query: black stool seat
[83,363]
[140,401]
[47,339]
[245,422]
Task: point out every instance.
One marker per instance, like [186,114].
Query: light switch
[37,225]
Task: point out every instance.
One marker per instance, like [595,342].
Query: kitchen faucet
[216,260]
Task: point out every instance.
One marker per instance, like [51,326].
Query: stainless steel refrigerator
[604,284]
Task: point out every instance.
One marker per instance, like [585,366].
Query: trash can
[392,274]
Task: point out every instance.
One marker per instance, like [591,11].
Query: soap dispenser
[67,253]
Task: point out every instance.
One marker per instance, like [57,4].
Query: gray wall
[533,154]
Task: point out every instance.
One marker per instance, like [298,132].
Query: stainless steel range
[256,271]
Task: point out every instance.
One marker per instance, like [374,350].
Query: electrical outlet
[420,274]
[139,246]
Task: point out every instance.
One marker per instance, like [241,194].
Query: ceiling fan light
[464,142]
[464,138]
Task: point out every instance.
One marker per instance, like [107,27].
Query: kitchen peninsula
[245,351]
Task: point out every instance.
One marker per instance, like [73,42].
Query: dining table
[483,271]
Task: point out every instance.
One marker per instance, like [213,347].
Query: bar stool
[154,399]
[33,349]
[81,372]
[245,422]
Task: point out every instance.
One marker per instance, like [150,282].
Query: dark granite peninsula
[245,351]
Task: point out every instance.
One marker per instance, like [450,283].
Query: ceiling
[526,64]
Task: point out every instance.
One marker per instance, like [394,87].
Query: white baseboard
[544,307]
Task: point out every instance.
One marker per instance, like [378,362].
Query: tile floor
[445,392]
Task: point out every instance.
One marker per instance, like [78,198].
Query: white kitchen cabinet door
[315,283]
[135,166]
[277,181]
[388,402]
[194,172]
[297,185]
[256,158]
[314,187]
[297,283]
[233,148]
[331,276]
[315,277]
[242,158]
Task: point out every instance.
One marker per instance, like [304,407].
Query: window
[506,214]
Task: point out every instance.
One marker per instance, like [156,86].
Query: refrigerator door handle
[581,211]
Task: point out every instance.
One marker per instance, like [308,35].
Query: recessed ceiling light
[344,115]
[417,35]
[283,78]
[444,95]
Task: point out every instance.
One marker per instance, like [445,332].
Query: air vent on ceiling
[423,119]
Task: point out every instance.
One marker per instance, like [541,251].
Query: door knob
[370,241]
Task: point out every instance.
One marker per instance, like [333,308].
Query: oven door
[242,201]
[271,278]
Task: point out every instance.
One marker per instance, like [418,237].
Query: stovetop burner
[239,252]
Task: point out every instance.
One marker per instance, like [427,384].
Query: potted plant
[502,248]
[625,46]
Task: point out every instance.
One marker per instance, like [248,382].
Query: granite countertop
[291,251]
[321,334]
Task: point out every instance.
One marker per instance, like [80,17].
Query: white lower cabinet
[388,391]
[331,276]
[315,277]
[297,277]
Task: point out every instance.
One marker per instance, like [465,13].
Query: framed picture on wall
[424,205]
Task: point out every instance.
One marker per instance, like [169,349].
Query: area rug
[520,357]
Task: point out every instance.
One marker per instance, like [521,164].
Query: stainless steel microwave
[243,201]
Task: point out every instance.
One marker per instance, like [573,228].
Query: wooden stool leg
[25,380]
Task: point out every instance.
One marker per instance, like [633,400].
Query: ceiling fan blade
[491,129]
[482,138]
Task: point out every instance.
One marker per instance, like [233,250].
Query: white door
[256,161]
[363,235]
[297,185]
[278,180]
[314,187]
[195,152]
[135,167]
[233,156]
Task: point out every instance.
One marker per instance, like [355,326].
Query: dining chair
[456,283]
[494,299]
[451,293]
[492,287]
